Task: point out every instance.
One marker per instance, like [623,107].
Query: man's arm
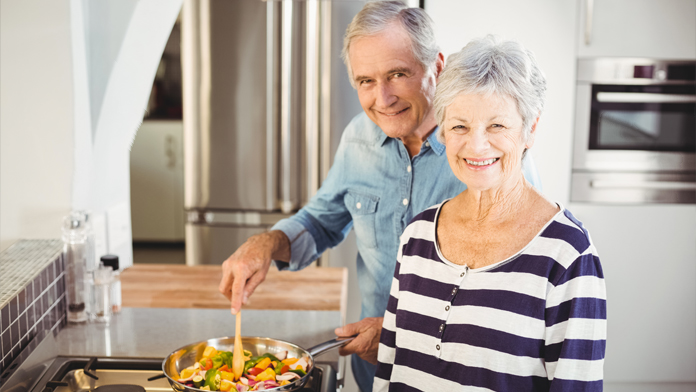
[294,242]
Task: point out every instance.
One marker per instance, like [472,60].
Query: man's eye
[365,81]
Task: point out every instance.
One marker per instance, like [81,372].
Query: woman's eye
[459,128]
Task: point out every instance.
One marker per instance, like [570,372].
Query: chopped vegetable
[213,371]
[209,352]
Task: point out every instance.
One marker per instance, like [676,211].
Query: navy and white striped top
[533,322]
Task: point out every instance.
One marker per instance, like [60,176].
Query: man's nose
[385,96]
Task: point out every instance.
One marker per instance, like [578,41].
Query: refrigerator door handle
[272,190]
[312,97]
[286,204]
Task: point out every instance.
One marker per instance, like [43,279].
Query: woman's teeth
[481,163]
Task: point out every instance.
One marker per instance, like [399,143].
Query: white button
[405,202]
[408,169]
[358,205]
[427,144]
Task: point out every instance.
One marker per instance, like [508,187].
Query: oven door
[635,128]
[635,144]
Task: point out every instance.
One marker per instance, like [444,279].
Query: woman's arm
[576,327]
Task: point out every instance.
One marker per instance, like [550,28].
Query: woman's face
[485,140]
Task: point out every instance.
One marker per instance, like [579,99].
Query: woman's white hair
[376,16]
[491,66]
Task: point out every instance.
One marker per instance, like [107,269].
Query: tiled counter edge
[32,296]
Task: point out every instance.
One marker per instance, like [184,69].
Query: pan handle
[331,344]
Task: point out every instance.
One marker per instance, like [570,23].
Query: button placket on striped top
[448,308]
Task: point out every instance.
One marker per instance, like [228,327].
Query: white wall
[36,121]
[76,76]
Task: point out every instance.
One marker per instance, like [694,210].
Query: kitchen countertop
[180,286]
[156,332]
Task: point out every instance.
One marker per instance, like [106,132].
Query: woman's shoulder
[422,224]
[567,228]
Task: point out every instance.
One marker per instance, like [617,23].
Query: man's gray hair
[376,17]
[491,66]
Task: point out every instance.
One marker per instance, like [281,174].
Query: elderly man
[389,166]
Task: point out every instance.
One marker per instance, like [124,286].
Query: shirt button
[408,169]
[427,144]
[447,307]
[405,202]
[454,291]
[462,275]
[358,205]
[437,346]
[442,327]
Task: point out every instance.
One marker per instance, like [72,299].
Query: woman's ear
[532,133]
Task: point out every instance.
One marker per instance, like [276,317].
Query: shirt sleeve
[530,171]
[324,222]
[576,327]
[387,339]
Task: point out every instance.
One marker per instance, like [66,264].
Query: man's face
[394,90]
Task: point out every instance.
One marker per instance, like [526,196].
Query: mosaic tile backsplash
[32,294]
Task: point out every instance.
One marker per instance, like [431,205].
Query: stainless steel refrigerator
[265,99]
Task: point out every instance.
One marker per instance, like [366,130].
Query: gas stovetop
[108,374]
[68,374]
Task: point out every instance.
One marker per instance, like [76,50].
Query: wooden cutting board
[181,286]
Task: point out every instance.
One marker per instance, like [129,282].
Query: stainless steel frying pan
[186,356]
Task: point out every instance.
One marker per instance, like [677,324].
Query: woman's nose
[478,139]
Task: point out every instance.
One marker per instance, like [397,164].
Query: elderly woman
[498,288]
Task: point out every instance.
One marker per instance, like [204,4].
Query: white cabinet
[157,182]
[663,29]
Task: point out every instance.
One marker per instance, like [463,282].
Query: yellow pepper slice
[226,385]
[186,373]
[290,361]
[210,351]
[226,375]
[263,363]
[268,374]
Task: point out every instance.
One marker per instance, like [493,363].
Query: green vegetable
[252,362]
[279,367]
[217,361]
[271,356]
[212,379]
[197,381]
[226,358]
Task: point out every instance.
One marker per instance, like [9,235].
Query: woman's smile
[481,163]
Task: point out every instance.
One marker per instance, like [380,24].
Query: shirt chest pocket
[363,209]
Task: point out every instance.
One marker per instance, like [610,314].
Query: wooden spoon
[238,353]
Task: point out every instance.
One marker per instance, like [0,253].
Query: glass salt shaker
[101,300]
[112,261]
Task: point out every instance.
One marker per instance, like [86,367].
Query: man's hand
[247,267]
[367,341]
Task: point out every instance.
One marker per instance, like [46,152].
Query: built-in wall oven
[635,131]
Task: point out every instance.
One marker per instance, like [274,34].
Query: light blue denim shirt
[375,188]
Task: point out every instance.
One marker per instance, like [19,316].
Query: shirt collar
[435,144]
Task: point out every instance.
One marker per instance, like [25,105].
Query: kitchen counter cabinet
[179,286]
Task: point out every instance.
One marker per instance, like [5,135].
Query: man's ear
[439,65]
